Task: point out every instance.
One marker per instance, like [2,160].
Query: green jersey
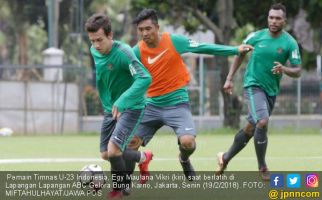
[268,50]
[121,78]
[182,45]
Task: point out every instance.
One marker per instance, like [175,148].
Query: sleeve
[250,38]
[185,45]
[136,51]
[294,53]
[142,80]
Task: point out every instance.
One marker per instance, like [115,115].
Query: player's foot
[144,171]
[127,187]
[188,169]
[222,165]
[264,173]
[115,194]
[126,191]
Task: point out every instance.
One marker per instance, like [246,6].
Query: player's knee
[187,142]
[262,123]
[104,155]
[135,143]
[249,129]
[113,150]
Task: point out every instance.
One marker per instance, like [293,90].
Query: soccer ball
[92,176]
[6,131]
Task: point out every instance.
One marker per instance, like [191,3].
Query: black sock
[118,172]
[260,141]
[130,166]
[240,141]
[185,153]
[132,155]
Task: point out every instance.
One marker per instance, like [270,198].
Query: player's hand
[244,48]
[228,86]
[278,68]
[115,113]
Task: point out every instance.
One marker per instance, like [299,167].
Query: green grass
[287,150]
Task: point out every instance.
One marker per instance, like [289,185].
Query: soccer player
[168,100]
[122,82]
[272,48]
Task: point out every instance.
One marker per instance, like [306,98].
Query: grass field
[287,150]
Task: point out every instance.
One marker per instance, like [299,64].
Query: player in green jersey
[272,48]
[121,81]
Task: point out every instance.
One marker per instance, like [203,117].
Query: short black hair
[146,14]
[279,6]
[97,21]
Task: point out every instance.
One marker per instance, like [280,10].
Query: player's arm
[137,51]
[185,45]
[142,80]
[295,59]
[228,86]
[294,71]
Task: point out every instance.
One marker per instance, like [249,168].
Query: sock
[117,171]
[143,157]
[132,155]
[130,166]
[240,141]
[260,141]
[185,153]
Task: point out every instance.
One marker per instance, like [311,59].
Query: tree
[18,18]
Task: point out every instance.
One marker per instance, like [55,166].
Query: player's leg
[150,123]
[117,170]
[143,159]
[180,119]
[131,157]
[259,110]
[187,146]
[130,164]
[260,142]
[107,128]
[124,131]
[240,141]
[260,106]
[258,115]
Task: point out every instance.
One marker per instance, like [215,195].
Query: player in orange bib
[167,96]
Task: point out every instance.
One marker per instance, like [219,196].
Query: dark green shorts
[120,132]
[178,117]
[259,104]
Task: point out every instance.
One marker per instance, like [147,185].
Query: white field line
[77,160]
